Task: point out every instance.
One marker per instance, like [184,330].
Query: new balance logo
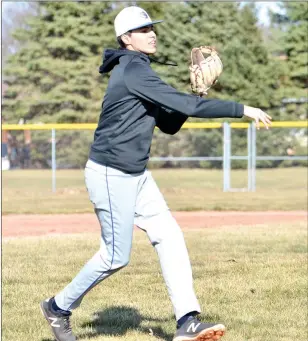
[193,327]
[53,323]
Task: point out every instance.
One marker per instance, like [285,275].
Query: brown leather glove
[205,68]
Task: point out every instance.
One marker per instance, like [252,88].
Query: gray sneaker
[59,323]
[194,330]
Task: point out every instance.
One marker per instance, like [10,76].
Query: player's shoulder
[138,61]
[137,66]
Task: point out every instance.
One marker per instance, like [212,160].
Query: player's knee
[113,258]
[163,227]
[108,263]
[120,263]
[125,263]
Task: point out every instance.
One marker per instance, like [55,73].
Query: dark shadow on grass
[117,321]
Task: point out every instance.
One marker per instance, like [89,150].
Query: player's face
[143,40]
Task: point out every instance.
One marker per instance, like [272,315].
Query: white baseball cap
[131,18]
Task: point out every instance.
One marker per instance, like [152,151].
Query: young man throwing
[123,191]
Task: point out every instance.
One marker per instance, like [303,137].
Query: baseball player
[121,188]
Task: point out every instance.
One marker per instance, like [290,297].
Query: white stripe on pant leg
[167,238]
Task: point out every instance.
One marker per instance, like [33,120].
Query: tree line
[54,76]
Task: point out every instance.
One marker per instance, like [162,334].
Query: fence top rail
[188,125]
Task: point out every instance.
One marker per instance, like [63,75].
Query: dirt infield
[38,225]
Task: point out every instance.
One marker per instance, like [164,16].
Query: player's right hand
[258,115]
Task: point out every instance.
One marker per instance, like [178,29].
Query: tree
[55,78]
[297,42]
[14,15]
[291,46]
[250,75]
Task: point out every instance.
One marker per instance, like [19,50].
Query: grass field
[251,278]
[29,191]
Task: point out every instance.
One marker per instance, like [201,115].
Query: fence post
[227,156]
[253,156]
[249,129]
[53,159]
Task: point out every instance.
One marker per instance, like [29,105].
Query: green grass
[29,191]
[252,278]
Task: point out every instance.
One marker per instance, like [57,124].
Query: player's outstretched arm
[149,87]
[144,83]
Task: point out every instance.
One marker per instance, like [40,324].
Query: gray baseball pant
[122,200]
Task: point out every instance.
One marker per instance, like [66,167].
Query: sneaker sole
[46,317]
[210,334]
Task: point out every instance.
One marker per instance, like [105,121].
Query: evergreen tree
[250,75]
[55,78]
[297,42]
[291,46]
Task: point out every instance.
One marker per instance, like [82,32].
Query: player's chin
[151,49]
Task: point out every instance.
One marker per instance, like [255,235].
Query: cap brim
[147,24]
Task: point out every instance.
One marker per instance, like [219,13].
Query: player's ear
[126,38]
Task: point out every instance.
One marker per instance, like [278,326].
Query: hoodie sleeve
[170,122]
[144,83]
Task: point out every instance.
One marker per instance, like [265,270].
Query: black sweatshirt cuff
[239,110]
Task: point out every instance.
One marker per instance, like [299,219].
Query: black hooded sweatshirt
[137,100]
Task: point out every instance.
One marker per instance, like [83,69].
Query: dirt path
[37,225]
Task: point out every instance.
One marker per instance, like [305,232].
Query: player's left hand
[258,115]
[206,67]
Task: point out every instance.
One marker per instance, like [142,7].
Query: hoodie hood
[111,58]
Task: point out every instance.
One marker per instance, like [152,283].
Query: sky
[262,7]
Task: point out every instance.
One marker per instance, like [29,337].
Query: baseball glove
[205,68]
